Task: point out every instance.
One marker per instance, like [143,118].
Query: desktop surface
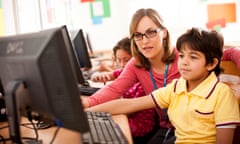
[63,136]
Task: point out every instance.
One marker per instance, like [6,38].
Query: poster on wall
[220,14]
[99,9]
[220,11]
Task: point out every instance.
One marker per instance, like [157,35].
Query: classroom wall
[177,14]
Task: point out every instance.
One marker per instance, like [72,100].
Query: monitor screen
[81,47]
[38,79]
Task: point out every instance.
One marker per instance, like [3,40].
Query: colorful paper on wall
[97,20]
[225,11]
[2,30]
[100,8]
[217,28]
[97,9]
[216,24]
[87,1]
[50,11]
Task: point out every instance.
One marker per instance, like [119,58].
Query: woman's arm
[124,106]
[224,135]
[116,88]
[84,101]
[232,54]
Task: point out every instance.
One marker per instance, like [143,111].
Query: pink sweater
[130,75]
[141,122]
[232,54]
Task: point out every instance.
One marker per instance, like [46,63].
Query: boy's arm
[224,135]
[124,106]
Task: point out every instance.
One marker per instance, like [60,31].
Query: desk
[64,136]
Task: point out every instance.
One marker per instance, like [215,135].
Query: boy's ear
[211,66]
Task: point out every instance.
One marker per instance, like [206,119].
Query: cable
[2,139]
[3,127]
[55,135]
[35,130]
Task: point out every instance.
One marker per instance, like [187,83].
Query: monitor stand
[14,92]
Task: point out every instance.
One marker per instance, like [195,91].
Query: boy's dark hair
[210,43]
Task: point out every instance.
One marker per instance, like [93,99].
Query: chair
[230,68]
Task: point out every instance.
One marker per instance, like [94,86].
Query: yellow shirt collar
[204,89]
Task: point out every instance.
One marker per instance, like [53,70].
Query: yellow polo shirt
[196,114]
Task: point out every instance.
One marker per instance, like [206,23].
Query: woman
[154,63]
[141,123]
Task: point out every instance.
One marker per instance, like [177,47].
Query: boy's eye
[194,56]
[180,55]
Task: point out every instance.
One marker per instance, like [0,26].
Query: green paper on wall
[100,8]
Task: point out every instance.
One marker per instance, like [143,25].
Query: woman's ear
[164,33]
[212,65]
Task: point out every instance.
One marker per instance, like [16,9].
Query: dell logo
[14,48]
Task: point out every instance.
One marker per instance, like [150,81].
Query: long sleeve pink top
[130,75]
[141,122]
[232,54]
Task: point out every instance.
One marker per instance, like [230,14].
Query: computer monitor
[39,81]
[89,43]
[73,59]
[81,47]
[1,88]
[3,114]
[92,54]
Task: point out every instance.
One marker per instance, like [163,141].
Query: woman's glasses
[148,34]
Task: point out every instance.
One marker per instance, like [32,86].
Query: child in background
[202,109]
[141,123]
[121,55]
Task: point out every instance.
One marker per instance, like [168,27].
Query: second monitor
[81,48]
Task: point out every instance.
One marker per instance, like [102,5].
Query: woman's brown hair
[143,62]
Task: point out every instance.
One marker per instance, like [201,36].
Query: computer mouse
[43,125]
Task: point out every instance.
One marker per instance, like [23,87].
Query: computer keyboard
[87,90]
[103,129]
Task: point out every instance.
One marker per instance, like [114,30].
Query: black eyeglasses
[148,34]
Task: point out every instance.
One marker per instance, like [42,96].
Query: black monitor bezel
[19,100]
[81,48]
